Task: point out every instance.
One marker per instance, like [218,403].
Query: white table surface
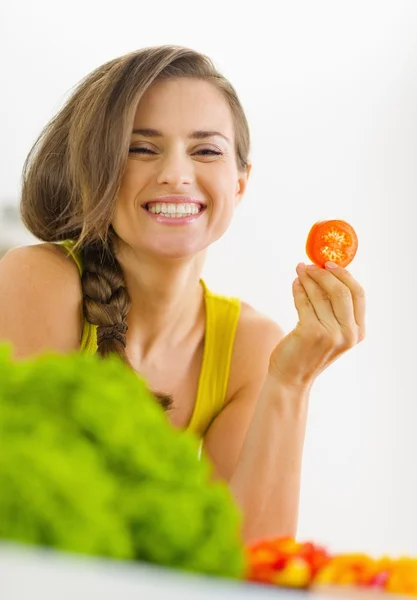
[33,574]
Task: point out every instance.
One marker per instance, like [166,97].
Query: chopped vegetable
[333,240]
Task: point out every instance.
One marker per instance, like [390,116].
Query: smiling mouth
[174,210]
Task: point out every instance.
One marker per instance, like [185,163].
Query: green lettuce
[89,463]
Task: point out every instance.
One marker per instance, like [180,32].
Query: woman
[128,186]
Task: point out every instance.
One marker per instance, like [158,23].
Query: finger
[357,293]
[303,305]
[318,298]
[338,293]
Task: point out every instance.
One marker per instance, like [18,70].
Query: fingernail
[331,265]
[301,266]
[311,267]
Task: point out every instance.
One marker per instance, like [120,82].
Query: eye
[207,152]
[203,152]
[141,151]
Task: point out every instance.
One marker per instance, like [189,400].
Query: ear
[242,183]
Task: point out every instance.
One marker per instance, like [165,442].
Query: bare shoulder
[44,263]
[254,322]
[40,299]
[256,337]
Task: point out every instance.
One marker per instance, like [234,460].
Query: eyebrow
[194,135]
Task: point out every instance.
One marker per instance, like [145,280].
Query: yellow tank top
[222,315]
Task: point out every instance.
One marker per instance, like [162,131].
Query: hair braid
[106,303]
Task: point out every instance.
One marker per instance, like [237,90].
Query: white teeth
[174,210]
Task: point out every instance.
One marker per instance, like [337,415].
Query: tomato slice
[333,240]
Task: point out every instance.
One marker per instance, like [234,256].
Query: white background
[330,90]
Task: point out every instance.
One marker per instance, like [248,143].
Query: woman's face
[178,149]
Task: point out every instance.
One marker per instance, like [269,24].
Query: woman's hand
[331,310]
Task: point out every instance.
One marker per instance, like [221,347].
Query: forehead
[188,103]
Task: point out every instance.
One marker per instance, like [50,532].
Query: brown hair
[73,173]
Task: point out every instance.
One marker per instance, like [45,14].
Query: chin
[177,252]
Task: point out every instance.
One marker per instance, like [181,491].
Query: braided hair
[106,303]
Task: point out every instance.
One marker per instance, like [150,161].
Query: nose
[176,169]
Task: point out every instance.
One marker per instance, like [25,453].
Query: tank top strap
[69,247]
[222,316]
[88,341]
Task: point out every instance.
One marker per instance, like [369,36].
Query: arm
[264,465]
[256,442]
[40,301]
[270,462]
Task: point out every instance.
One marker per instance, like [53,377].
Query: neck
[167,299]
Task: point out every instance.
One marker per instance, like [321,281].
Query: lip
[175,200]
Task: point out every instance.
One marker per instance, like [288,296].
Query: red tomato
[333,240]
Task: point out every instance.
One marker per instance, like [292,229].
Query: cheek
[130,188]
[125,208]
[131,182]
[223,192]
[121,220]
[222,212]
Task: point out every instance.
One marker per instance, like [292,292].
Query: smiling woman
[129,184]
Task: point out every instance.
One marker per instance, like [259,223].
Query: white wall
[330,89]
